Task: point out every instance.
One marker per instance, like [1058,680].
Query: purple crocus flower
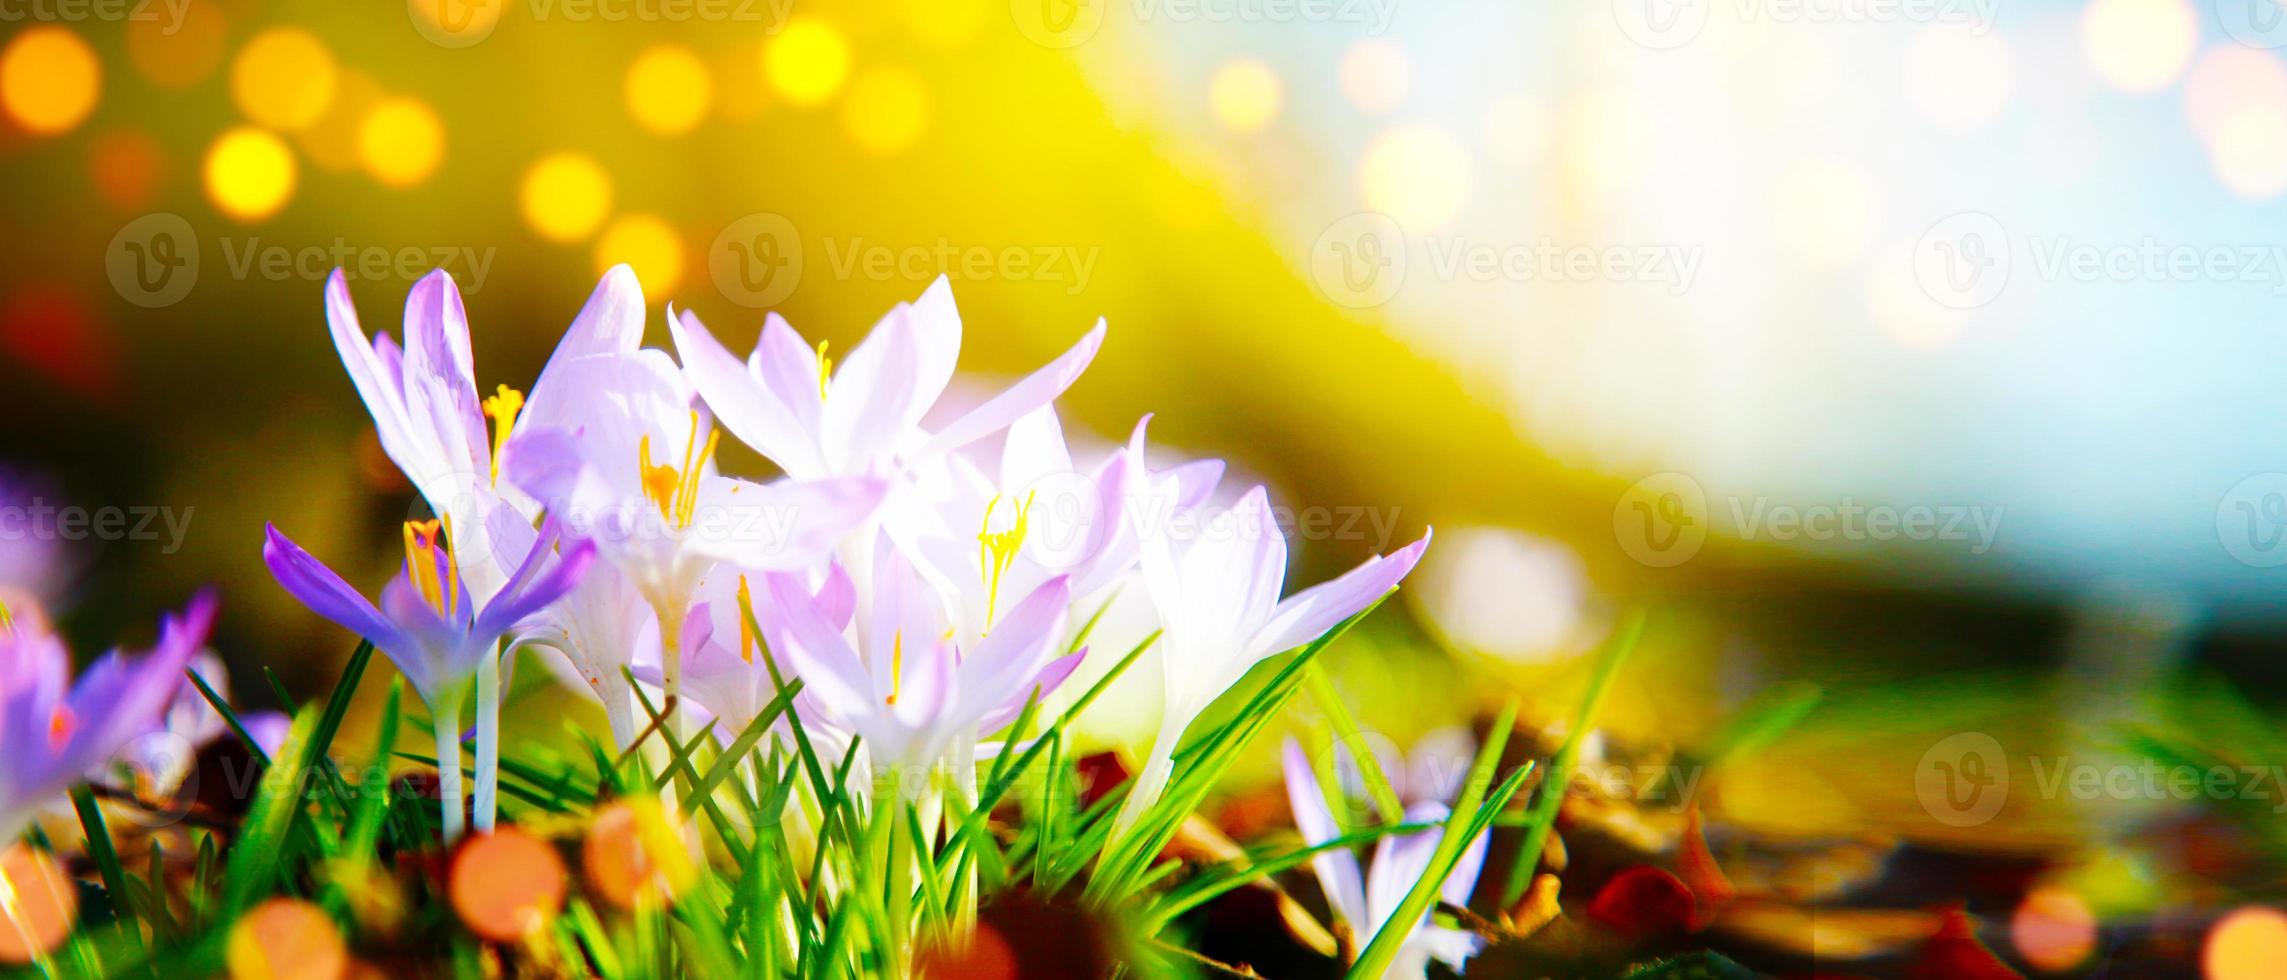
[53,731]
[426,621]
[1365,902]
[431,628]
[902,683]
[1217,592]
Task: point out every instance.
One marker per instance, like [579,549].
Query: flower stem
[445,717]
[488,742]
[1149,784]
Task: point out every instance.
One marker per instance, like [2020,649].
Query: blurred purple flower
[53,731]
[1365,903]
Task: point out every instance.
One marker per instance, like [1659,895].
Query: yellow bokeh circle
[565,196]
[250,173]
[806,62]
[49,80]
[668,89]
[283,78]
[649,246]
[1244,95]
[400,142]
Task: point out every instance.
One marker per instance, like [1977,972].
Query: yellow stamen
[996,550]
[425,541]
[746,622]
[60,726]
[896,667]
[676,491]
[502,408]
[825,369]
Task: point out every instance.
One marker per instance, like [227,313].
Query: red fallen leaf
[1642,902]
[1953,953]
[1695,864]
[1099,775]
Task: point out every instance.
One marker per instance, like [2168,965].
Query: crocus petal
[781,525]
[937,342]
[610,323]
[377,382]
[817,652]
[1400,861]
[1043,684]
[925,691]
[532,590]
[440,373]
[1019,643]
[1037,389]
[1337,869]
[741,401]
[837,596]
[310,582]
[1034,450]
[1312,611]
[870,401]
[788,370]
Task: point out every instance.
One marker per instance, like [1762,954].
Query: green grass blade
[1559,776]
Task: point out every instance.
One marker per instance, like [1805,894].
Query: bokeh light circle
[49,80]
[807,62]
[667,89]
[400,142]
[2248,944]
[565,196]
[1417,174]
[250,173]
[1376,74]
[2139,45]
[1244,95]
[2249,151]
[649,246]
[283,78]
[180,48]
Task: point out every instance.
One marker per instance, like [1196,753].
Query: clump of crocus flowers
[906,614]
